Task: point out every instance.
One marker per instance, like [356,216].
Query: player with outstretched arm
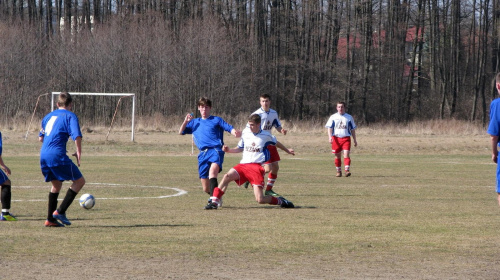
[56,166]
[254,144]
[208,136]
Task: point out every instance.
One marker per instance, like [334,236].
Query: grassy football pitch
[415,207]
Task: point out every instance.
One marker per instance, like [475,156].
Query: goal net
[121,95]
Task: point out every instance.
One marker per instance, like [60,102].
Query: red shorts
[274,156]
[251,172]
[341,144]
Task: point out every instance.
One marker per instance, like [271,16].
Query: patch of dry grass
[416,207]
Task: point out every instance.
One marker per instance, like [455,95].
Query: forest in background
[390,60]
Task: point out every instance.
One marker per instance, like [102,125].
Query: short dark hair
[64,99]
[255,118]
[341,102]
[265,96]
[205,102]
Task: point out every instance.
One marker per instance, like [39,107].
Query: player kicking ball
[254,144]
[57,127]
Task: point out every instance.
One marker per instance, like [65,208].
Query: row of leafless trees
[397,60]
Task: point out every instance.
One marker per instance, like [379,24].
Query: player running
[269,119]
[340,127]
[56,166]
[6,195]
[208,134]
[254,144]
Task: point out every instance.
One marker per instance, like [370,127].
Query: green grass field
[416,207]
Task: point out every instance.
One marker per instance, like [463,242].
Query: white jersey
[268,119]
[341,125]
[254,145]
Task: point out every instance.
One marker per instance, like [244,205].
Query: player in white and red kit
[254,144]
[341,127]
[269,119]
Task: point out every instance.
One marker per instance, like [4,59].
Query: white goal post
[123,95]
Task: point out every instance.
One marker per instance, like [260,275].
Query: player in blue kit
[208,136]
[56,166]
[254,144]
[6,194]
[494,132]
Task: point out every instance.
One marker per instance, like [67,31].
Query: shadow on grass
[137,226]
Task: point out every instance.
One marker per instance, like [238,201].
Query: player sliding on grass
[56,166]
[269,119]
[208,135]
[254,144]
[340,127]
[6,189]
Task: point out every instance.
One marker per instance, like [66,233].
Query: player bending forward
[254,144]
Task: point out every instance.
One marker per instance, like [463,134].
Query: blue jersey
[208,133]
[494,126]
[57,127]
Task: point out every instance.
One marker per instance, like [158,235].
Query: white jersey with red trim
[341,125]
[268,119]
[254,145]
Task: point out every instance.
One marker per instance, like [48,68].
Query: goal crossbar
[54,93]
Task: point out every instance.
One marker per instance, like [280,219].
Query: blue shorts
[3,177]
[498,177]
[61,173]
[206,158]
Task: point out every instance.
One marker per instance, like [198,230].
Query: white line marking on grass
[179,192]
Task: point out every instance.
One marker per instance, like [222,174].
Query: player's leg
[52,205]
[68,172]
[498,183]
[271,179]
[347,163]
[346,146]
[203,172]
[212,175]
[338,164]
[273,164]
[336,150]
[6,197]
[230,176]
[269,199]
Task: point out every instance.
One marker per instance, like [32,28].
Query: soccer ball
[87,201]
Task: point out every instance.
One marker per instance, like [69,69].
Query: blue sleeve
[189,128]
[0,143]
[227,127]
[74,127]
[494,126]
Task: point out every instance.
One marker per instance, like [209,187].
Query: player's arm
[281,130]
[281,146]
[187,119]
[236,133]
[78,154]
[233,150]
[4,167]
[494,148]
[330,131]
[353,134]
